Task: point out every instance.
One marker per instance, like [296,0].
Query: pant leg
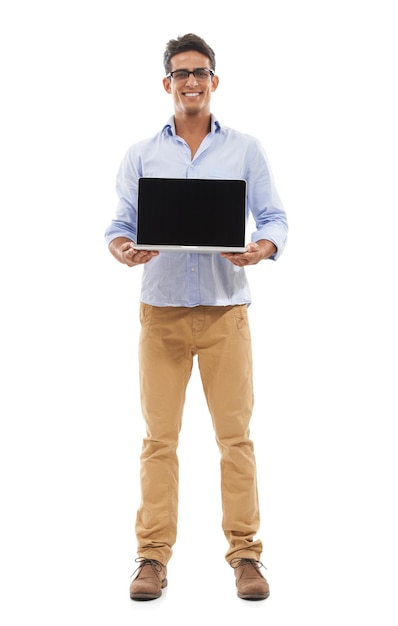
[225,362]
[165,361]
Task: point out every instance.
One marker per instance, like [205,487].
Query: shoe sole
[143,596]
[253,597]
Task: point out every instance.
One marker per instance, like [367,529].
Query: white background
[316,81]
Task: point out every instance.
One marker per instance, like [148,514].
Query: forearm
[117,247]
[267,248]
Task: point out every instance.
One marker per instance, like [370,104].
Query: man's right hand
[122,249]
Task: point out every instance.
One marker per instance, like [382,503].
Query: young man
[196,305]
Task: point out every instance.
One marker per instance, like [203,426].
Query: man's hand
[122,249]
[255,252]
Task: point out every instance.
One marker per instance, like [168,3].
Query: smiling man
[191,90]
[194,305]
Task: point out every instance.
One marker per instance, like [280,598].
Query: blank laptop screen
[191,212]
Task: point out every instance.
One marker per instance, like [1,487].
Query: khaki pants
[170,338]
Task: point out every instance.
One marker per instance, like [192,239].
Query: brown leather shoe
[250,583]
[150,580]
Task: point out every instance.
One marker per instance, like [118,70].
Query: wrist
[267,247]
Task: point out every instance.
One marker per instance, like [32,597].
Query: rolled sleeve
[265,204]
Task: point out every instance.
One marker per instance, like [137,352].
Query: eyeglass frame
[211,73]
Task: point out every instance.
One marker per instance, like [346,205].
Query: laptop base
[193,249]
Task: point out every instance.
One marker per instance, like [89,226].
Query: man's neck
[192,125]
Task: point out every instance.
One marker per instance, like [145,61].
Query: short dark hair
[183,43]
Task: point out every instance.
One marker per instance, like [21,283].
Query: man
[196,305]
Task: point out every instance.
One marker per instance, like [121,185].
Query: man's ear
[214,83]
[167,85]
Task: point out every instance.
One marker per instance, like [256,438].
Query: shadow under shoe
[150,580]
[250,583]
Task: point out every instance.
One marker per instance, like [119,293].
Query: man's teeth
[191,95]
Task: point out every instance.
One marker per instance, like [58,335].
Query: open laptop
[191,215]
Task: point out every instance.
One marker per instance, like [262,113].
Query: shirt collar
[170,129]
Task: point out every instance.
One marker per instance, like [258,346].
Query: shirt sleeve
[124,223]
[264,202]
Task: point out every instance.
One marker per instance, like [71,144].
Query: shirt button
[192,269]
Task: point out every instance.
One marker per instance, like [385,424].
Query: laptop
[191,215]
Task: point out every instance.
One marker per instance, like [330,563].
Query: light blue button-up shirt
[191,279]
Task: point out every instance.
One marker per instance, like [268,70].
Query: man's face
[191,96]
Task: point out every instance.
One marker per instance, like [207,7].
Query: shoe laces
[156,565]
[237,562]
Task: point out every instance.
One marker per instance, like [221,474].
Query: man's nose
[191,80]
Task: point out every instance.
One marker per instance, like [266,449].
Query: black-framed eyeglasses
[200,73]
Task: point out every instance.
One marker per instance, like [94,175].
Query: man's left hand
[255,252]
